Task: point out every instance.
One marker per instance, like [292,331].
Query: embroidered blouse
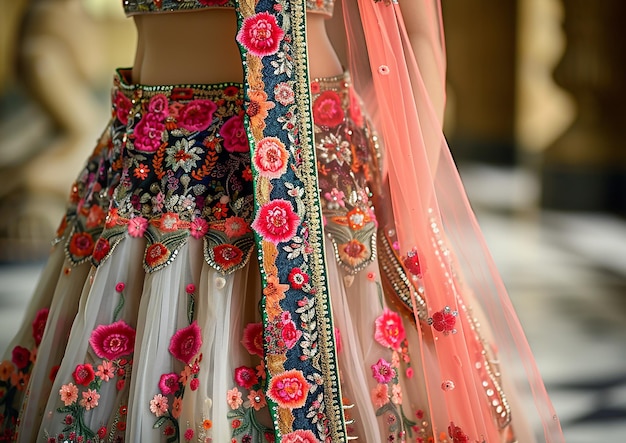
[133,7]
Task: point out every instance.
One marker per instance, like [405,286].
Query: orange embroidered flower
[141,171]
[289,389]
[354,252]
[81,244]
[258,107]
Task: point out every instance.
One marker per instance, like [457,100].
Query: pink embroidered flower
[113,341]
[456,434]
[39,324]
[105,371]
[190,288]
[69,394]
[83,374]
[382,371]
[335,198]
[234,135]
[137,226]
[396,395]
[289,389]
[297,278]
[90,399]
[233,397]
[120,286]
[148,133]
[253,338]
[257,399]
[389,329]
[198,227]
[276,221]
[158,405]
[235,227]
[380,395]
[444,320]
[156,255]
[271,157]
[409,372]
[327,109]
[189,434]
[283,92]
[197,115]
[158,106]
[260,34]
[246,377]
[186,343]
[412,263]
[168,383]
[213,2]
[338,344]
[300,436]
[123,107]
[290,334]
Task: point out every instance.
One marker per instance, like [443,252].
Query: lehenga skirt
[146,324]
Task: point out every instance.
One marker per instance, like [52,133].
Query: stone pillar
[481,45]
[585,168]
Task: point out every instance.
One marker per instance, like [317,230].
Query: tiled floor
[566,275]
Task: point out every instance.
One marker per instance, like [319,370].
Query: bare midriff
[199,47]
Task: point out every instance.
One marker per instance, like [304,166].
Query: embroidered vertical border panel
[303,389]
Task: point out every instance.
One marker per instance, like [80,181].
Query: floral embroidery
[260,34]
[186,343]
[300,436]
[444,321]
[277,221]
[289,389]
[389,330]
[113,341]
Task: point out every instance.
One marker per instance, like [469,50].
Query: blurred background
[536,121]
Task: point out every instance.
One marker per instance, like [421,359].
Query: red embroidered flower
[270,157]
[113,341]
[253,338]
[276,221]
[95,217]
[186,343]
[179,93]
[246,377]
[290,334]
[456,434]
[39,324]
[101,249]
[156,255]
[412,263]
[227,255]
[168,383]
[300,436]
[235,227]
[389,329]
[158,106]
[260,34]
[327,109]
[169,222]
[123,106]
[81,244]
[148,133]
[20,356]
[220,210]
[297,278]
[289,389]
[102,432]
[234,135]
[197,115]
[84,374]
[444,320]
[198,227]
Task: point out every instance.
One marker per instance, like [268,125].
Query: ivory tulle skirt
[146,323]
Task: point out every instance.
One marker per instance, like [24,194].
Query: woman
[249,261]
